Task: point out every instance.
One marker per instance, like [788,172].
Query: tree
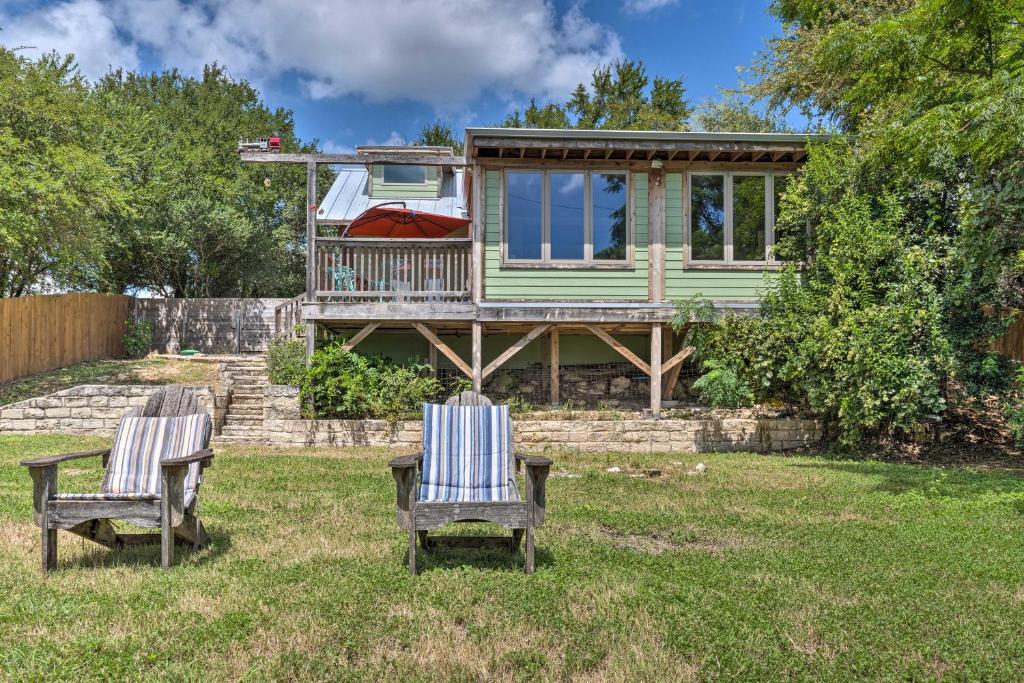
[439,134]
[56,190]
[620,97]
[201,223]
[736,113]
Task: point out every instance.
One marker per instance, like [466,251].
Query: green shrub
[346,385]
[286,361]
[138,339]
[722,386]
[856,337]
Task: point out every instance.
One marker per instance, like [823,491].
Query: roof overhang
[631,145]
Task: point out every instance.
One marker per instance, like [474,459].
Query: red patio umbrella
[398,221]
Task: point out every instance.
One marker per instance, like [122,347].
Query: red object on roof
[390,221]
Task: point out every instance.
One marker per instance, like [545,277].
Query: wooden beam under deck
[623,351]
[444,348]
[513,350]
[359,336]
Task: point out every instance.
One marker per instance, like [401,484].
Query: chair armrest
[204,456]
[405,469]
[533,460]
[55,459]
[406,461]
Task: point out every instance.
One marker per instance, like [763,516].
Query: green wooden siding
[720,285]
[574,349]
[564,285]
[427,190]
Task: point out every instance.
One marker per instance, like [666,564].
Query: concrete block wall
[208,325]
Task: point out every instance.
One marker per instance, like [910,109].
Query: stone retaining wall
[283,425]
[92,409]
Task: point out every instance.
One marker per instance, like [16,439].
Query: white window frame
[588,260]
[728,246]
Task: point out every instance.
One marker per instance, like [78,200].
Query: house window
[732,216]
[567,217]
[403,174]
[525,203]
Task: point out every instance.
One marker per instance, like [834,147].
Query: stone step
[246,400]
[235,420]
[246,412]
[249,389]
[247,396]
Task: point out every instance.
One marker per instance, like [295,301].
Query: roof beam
[399,158]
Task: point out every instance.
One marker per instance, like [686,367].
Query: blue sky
[358,72]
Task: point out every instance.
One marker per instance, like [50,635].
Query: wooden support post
[656,370]
[477,375]
[443,348]
[626,353]
[478,186]
[513,350]
[310,326]
[656,230]
[432,358]
[555,359]
[359,336]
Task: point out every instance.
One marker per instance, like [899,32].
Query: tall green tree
[56,189]
[934,91]
[201,223]
[733,112]
[439,134]
[621,96]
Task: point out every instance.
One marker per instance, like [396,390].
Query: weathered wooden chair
[465,474]
[152,478]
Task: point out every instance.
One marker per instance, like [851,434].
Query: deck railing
[392,270]
[287,316]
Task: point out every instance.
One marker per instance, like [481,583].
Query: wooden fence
[1012,343]
[39,333]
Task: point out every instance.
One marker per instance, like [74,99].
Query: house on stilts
[543,263]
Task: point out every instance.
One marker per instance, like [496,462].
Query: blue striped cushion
[142,442]
[467,454]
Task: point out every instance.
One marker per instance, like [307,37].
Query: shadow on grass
[441,557]
[149,554]
[931,481]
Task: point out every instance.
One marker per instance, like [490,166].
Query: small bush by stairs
[245,379]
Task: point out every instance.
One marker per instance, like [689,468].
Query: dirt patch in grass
[656,543]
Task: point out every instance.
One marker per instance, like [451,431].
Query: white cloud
[644,6]
[83,28]
[443,52]
[332,147]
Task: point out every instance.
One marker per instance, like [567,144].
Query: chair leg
[516,540]
[49,550]
[166,536]
[529,549]
[412,549]
[424,541]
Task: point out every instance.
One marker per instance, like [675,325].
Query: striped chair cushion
[133,470]
[467,454]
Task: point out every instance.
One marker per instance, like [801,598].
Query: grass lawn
[144,371]
[763,568]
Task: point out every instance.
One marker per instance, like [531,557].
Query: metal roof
[637,135]
[349,196]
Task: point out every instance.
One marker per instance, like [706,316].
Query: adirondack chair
[433,489]
[154,487]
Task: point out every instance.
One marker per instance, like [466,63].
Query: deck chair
[465,474]
[152,478]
